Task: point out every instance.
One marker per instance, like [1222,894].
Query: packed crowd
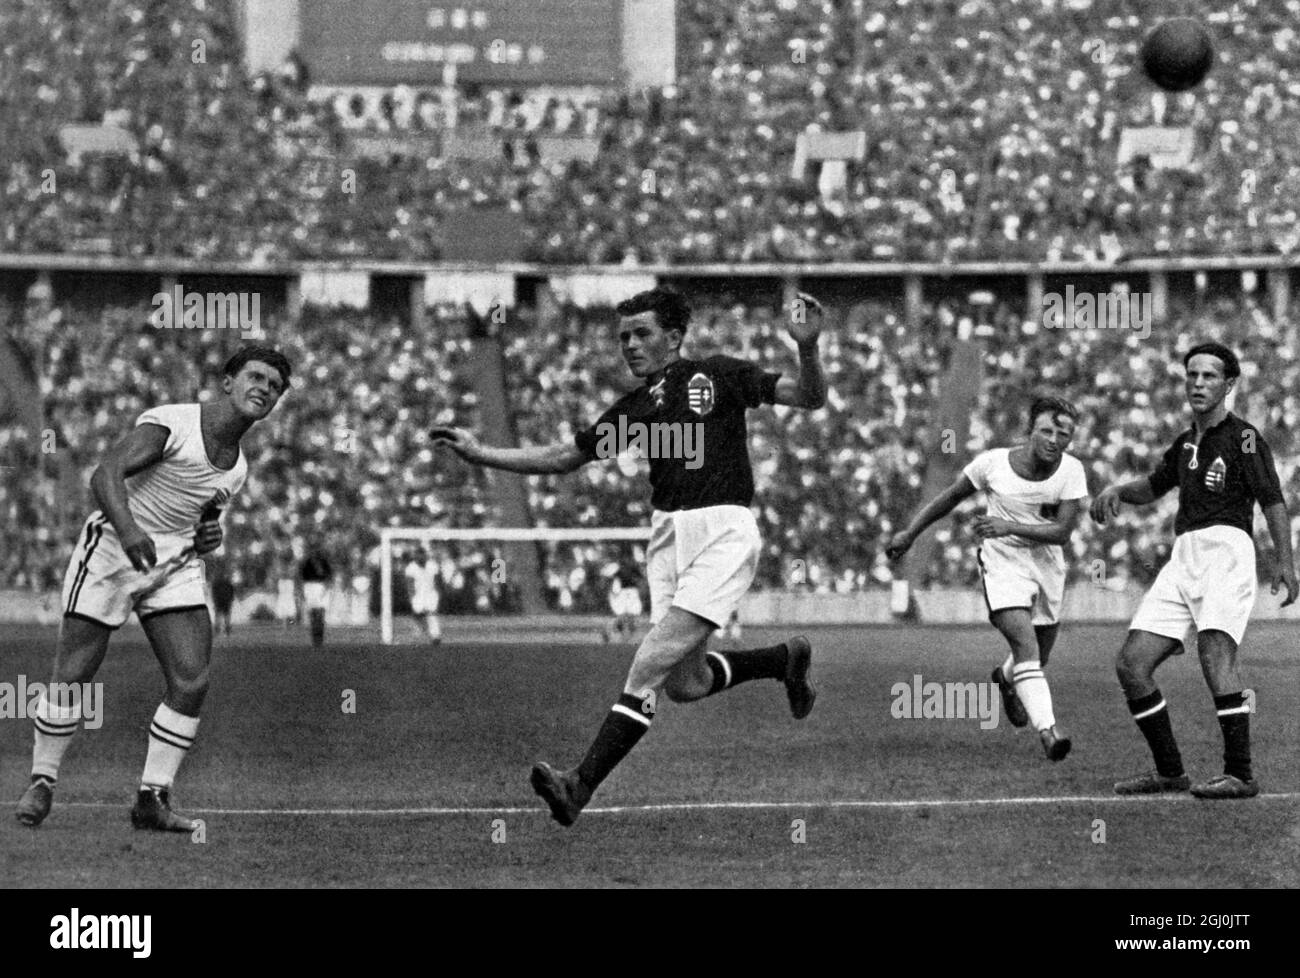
[1130,393]
[859,460]
[347,452]
[992,129]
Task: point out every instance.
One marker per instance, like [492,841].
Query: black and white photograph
[652,444]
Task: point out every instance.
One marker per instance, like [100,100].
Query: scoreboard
[520,42]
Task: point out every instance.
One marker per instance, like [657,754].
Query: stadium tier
[349,452]
[1002,144]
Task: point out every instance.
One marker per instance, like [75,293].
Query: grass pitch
[426,783]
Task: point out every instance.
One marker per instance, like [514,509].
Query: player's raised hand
[898,545]
[140,550]
[1105,506]
[807,317]
[207,537]
[459,440]
[1284,574]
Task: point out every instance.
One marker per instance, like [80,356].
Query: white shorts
[1209,583]
[315,595]
[424,604]
[1023,577]
[102,586]
[701,560]
[626,602]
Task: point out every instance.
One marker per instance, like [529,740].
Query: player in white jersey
[160,491]
[422,575]
[1035,495]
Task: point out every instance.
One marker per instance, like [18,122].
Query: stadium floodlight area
[390,538]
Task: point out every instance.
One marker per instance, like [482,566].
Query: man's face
[255,390]
[646,346]
[1206,385]
[1050,436]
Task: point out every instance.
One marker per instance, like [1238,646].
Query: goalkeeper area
[522,569]
[425,783]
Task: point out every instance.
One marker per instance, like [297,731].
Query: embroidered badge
[699,394]
[1216,475]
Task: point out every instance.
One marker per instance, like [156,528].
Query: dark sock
[1152,716]
[1234,721]
[732,668]
[625,724]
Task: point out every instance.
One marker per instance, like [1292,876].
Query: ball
[1178,54]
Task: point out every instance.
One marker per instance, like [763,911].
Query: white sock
[55,726]
[1007,666]
[1031,687]
[170,737]
[433,626]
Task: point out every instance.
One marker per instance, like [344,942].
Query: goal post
[393,536]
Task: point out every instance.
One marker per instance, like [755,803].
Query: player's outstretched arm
[556,459]
[1058,531]
[140,449]
[939,507]
[1279,528]
[1138,492]
[808,390]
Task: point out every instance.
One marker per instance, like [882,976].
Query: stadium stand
[1003,146]
[348,454]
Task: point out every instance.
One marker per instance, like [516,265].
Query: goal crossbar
[390,535]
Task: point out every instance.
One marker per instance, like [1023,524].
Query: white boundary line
[708,806]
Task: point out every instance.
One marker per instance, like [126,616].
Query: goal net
[531,570]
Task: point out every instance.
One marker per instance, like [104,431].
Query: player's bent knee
[1126,668]
[186,694]
[685,690]
[78,665]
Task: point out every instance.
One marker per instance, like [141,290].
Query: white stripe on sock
[620,708]
[726,667]
[1146,713]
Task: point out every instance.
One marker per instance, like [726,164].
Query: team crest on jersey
[699,394]
[657,392]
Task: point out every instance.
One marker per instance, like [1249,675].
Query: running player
[704,542]
[159,491]
[1035,493]
[1222,466]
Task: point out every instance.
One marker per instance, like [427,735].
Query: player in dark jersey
[689,418]
[1222,466]
[316,573]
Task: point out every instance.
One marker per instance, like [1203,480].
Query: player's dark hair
[262,354]
[1053,405]
[1231,366]
[669,306]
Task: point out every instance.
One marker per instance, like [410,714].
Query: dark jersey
[690,423]
[1221,479]
[316,568]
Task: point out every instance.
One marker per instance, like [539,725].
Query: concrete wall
[649,43]
[270,32]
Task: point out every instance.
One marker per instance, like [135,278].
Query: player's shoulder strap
[179,420]
[171,415]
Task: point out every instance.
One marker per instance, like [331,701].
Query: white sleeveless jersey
[167,497]
[1019,500]
[424,580]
